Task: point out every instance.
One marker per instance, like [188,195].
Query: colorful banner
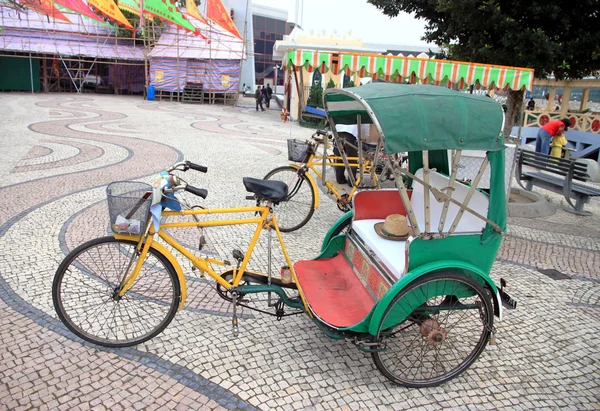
[132,6]
[166,10]
[45,7]
[216,12]
[396,68]
[192,10]
[78,6]
[110,10]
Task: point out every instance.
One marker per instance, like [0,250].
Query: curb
[539,207]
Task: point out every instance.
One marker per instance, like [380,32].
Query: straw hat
[395,227]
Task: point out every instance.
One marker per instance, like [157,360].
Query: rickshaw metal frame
[485,238]
[426,170]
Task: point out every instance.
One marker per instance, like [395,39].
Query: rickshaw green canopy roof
[420,117]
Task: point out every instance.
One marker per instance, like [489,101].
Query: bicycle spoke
[448,336]
[87,302]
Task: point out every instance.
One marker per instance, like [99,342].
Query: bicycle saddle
[268,189]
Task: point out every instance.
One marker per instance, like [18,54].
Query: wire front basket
[298,151]
[128,206]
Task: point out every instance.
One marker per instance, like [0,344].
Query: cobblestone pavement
[57,154]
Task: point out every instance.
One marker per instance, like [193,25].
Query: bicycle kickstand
[234,319]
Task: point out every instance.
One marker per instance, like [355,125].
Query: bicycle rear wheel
[299,205]
[84,293]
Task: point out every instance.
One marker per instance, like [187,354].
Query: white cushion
[468,222]
[391,253]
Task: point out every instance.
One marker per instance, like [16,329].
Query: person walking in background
[268,94]
[549,130]
[259,97]
[244,89]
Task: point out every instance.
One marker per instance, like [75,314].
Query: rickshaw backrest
[468,223]
[378,204]
[371,207]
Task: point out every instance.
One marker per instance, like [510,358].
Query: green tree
[350,84]
[330,83]
[315,96]
[551,36]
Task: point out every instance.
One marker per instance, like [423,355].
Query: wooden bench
[556,175]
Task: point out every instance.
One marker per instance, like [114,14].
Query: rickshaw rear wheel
[450,321]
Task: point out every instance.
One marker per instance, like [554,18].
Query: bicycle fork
[129,279]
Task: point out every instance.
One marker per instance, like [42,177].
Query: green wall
[15,74]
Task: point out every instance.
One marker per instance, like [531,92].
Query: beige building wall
[322,41]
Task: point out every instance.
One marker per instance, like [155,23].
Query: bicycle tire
[289,217]
[83,293]
[415,353]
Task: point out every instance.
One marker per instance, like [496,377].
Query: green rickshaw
[421,301]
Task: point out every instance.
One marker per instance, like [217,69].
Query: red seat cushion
[333,291]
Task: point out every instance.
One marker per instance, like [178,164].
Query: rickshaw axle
[367,346]
[433,333]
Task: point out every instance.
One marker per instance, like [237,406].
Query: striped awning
[398,68]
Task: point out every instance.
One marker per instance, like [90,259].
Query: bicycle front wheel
[86,301]
[299,204]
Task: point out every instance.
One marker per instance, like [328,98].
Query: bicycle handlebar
[200,192]
[177,184]
[197,167]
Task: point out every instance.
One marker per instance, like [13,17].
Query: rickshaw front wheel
[434,329]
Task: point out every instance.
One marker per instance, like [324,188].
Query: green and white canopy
[397,68]
[420,117]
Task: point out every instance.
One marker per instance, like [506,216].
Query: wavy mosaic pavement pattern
[24,290]
[272,365]
[37,152]
[82,153]
[562,241]
[266,138]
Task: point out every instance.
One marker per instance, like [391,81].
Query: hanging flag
[45,7]
[78,6]
[166,10]
[163,9]
[110,10]
[192,10]
[132,6]
[216,12]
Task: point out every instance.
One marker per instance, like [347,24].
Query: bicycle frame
[337,161]
[266,219]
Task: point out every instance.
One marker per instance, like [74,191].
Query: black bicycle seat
[268,189]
